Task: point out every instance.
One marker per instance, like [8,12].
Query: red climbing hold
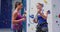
[59,15]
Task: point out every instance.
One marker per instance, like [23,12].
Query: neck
[18,9]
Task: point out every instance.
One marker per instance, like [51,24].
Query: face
[20,6]
[39,6]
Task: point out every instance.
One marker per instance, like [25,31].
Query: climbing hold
[58,24]
[31,16]
[48,11]
[54,6]
[28,24]
[56,21]
[45,1]
[59,15]
[56,16]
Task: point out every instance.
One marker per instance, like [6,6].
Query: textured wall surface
[32,10]
[6,8]
[56,15]
[53,18]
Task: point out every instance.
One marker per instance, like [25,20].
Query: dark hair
[17,3]
[41,4]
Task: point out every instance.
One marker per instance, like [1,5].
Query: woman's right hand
[23,19]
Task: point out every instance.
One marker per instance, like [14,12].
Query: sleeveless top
[41,20]
[18,25]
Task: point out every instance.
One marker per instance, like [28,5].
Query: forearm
[16,21]
[45,17]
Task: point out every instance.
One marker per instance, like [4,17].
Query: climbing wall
[53,18]
[32,11]
[56,15]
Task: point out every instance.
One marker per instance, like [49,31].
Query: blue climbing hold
[31,16]
[56,21]
[48,11]
[28,24]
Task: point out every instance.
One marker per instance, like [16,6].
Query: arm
[35,19]
[14,15]
[44,15]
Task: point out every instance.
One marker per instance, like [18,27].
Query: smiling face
[39,6]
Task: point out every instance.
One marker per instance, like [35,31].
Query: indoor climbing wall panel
[56,16]
[32,11]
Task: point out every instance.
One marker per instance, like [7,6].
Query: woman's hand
[35,20]
[23,19]
[44,16]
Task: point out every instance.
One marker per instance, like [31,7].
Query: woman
[17,18]
[41,19]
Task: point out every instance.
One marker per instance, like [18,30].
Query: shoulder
[45,13]
[14,13]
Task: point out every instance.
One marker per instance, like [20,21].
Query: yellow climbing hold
[45,1]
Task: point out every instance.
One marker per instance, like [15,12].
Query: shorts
[42,28]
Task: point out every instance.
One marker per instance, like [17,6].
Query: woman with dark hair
[41,19]
[17,18]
